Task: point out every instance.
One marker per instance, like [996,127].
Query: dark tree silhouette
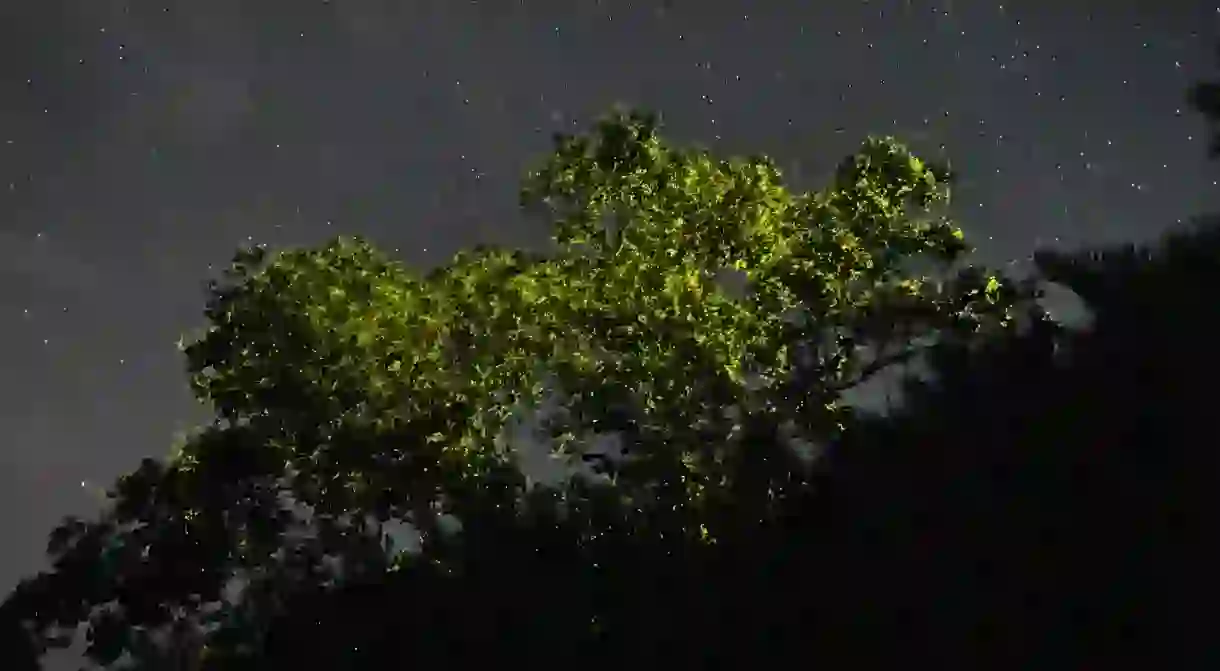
[1049,497]
[1205,98]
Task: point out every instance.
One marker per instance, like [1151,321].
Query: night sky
[142,142]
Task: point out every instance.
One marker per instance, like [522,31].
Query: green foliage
[364,389]
[339,339]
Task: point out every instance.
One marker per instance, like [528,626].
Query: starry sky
[142,141]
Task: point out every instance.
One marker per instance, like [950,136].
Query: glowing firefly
[98,492]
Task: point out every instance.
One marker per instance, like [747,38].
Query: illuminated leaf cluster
[631,324]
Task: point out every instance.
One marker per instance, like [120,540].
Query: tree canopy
[1042,495]
[695,312]
[1025,498]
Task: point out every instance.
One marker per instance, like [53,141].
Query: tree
[362,394]
[1205,98]
[1049,497]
